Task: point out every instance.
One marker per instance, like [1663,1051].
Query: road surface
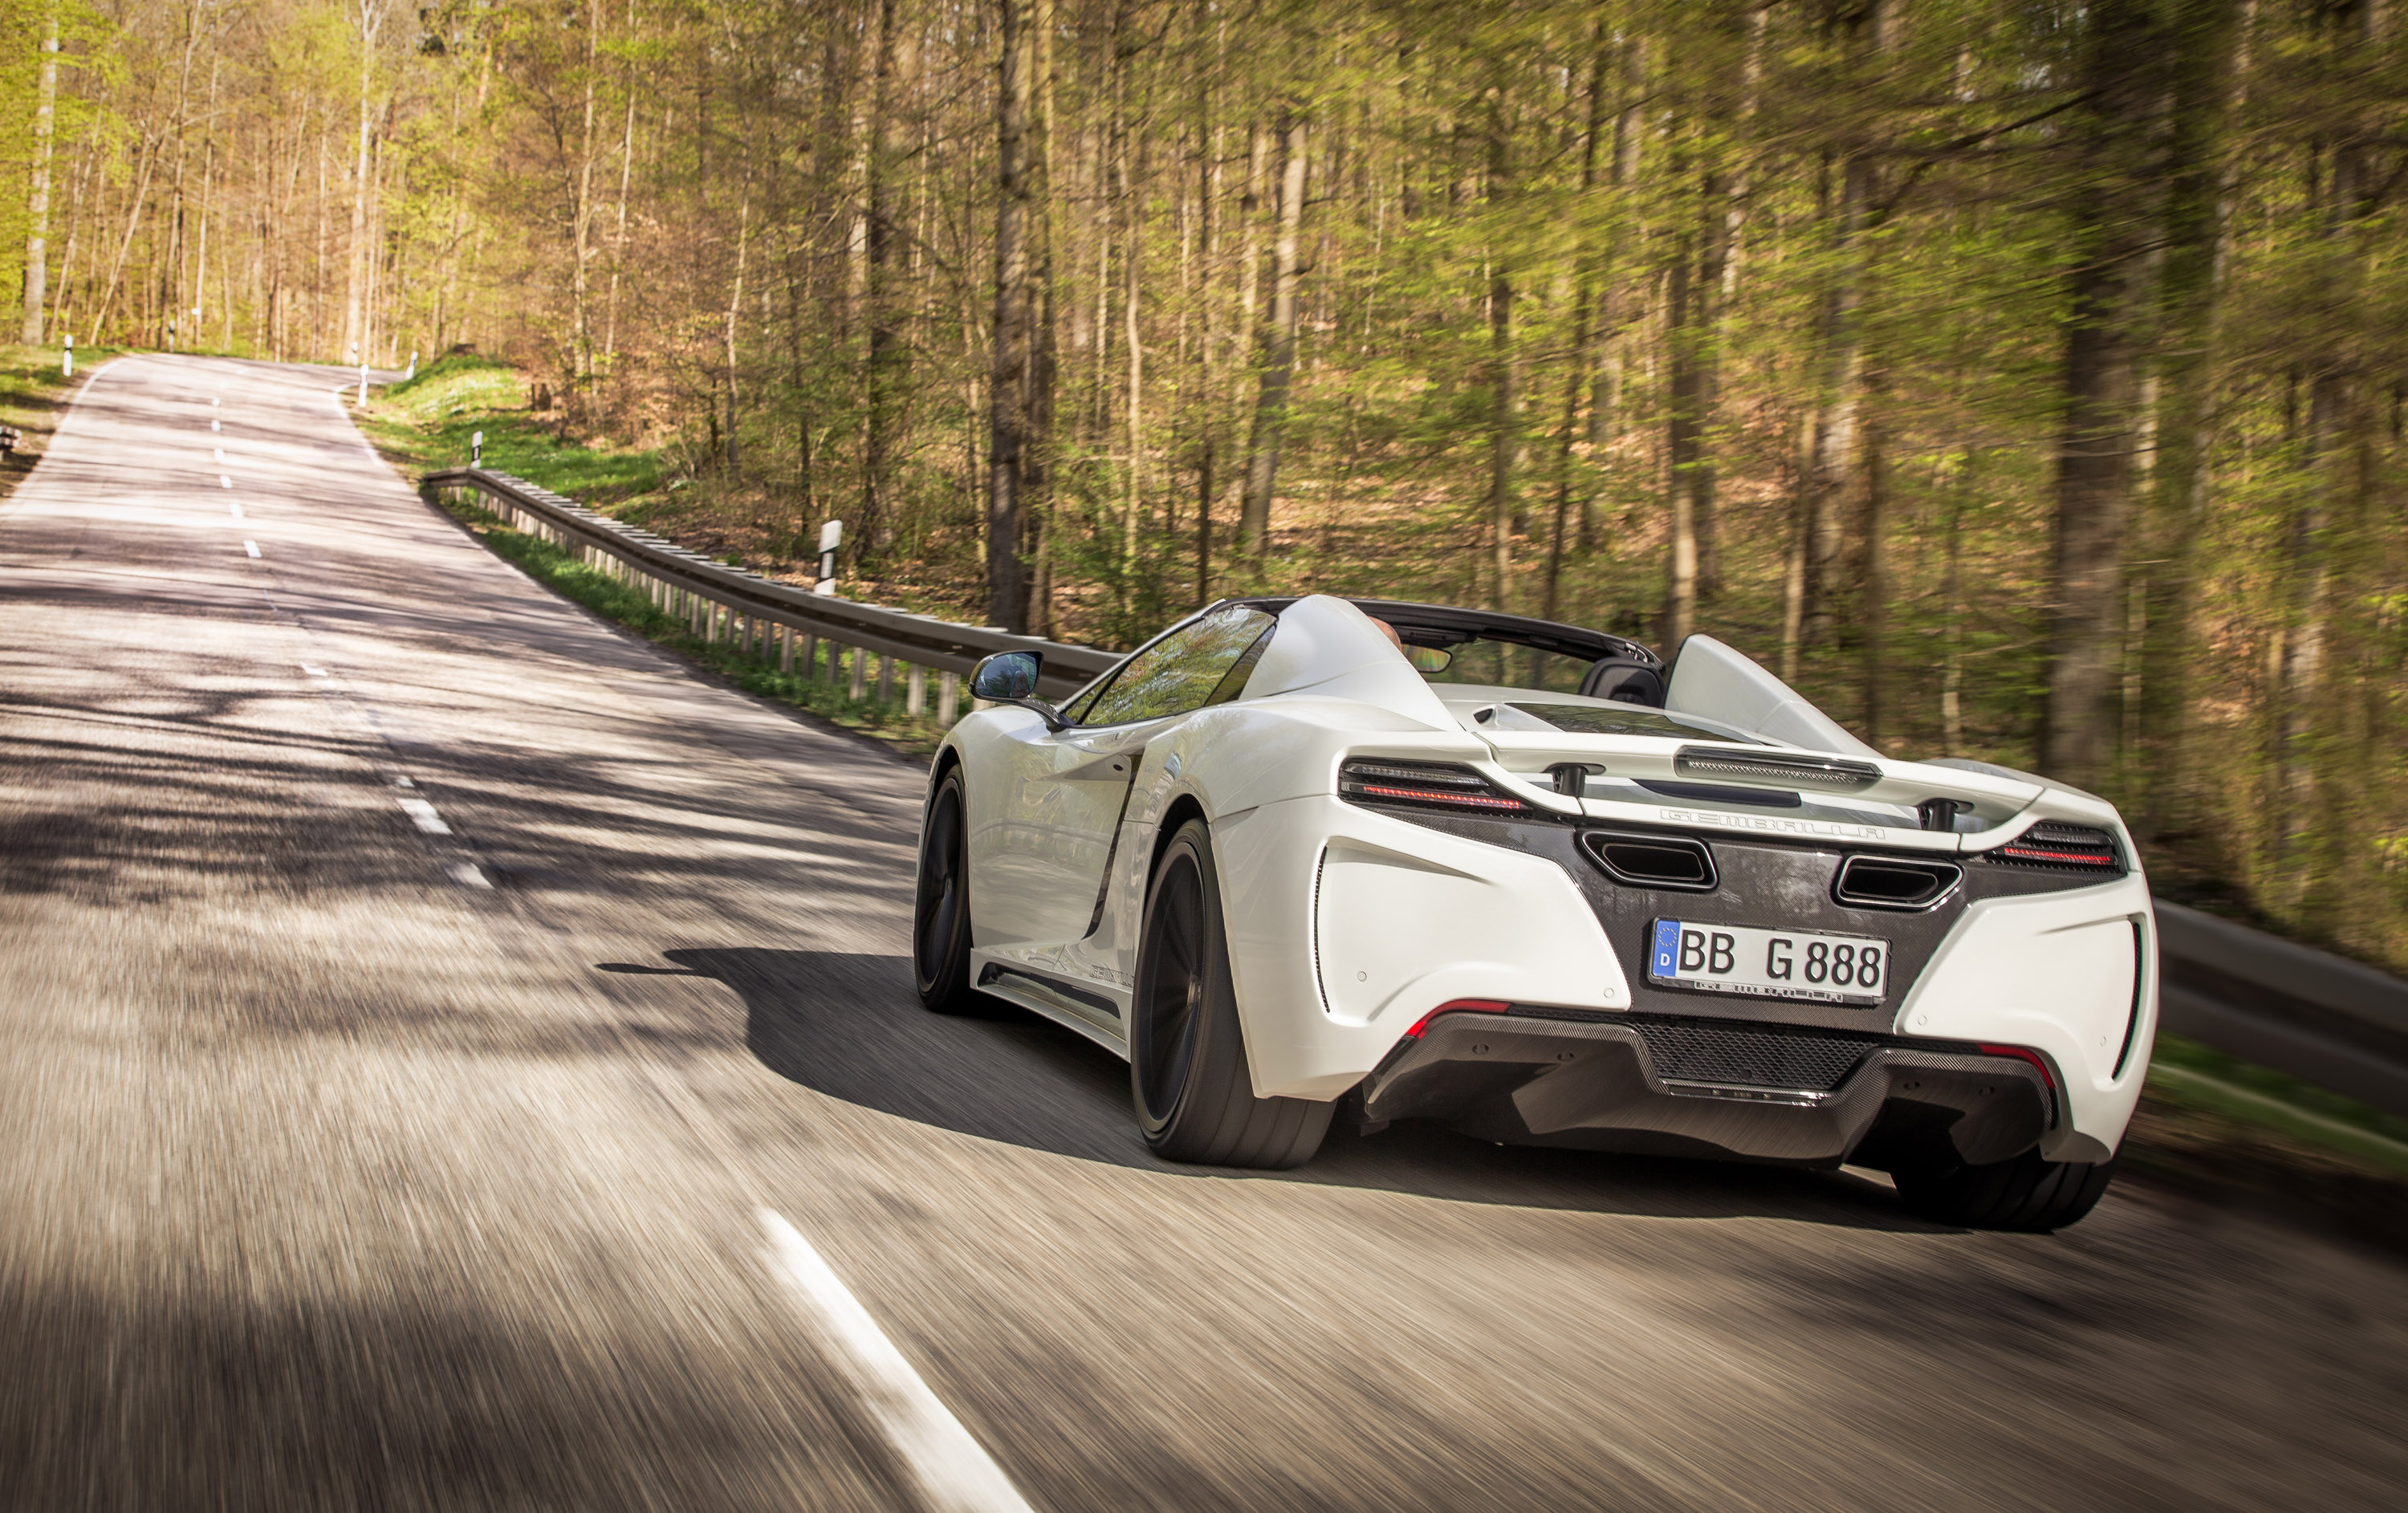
[439,1037]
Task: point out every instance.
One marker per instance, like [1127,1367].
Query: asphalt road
[375,1146]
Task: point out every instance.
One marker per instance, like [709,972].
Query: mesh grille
[1694,1051]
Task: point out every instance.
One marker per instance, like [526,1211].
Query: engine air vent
[1642,861]
[2067,847]
[1894,882]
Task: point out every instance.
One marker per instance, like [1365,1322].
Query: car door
[1037,870]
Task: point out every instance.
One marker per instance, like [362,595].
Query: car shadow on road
[850,1026]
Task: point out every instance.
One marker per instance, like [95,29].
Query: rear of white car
[1711,925]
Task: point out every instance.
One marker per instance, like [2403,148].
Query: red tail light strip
[2036,853]
[1440,795]
[1472,1005]
[2020,1054]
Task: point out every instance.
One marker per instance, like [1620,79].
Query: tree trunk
[1021,384]
[1695,278]
[889,363]
[1581,363]
[1503,438]
[2188,288]
[38,198]
[368,18]
[1278,343]
[2094,450]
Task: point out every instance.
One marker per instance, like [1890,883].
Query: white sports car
[1298,859]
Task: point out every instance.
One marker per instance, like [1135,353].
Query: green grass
[429,421]
[31,386]
[2185,1073]
[825,695]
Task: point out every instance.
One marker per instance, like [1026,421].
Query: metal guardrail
[733,603]
[2323,1019]
[2299,1010]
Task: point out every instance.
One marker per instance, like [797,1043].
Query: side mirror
[1010,677]
[1006,678]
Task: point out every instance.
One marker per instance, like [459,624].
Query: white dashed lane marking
[237,510]
[251,547]
[467,874]
[954,1472]
[423,815]
[225,483]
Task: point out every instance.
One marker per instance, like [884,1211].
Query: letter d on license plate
[1769,964]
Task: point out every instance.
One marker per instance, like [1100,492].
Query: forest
[2024,380]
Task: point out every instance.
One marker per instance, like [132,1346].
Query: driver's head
[1389,631]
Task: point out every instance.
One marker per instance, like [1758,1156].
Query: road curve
[421,1008]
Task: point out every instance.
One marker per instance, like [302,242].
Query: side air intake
[1640,860]
[1894,882]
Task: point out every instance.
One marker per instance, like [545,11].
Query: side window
[1206,661]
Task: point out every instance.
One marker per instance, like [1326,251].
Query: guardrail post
[858,690]
[810,655]
[886,680]
[949,694]
[915,689]
[785,648]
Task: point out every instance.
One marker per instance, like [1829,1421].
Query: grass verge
[33,393]
[826,694]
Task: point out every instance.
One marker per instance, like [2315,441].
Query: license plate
[1769,963]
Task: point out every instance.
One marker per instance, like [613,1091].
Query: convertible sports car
[1309,859]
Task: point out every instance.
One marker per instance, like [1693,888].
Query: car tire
[940,905]
[1187,1054]
[2024,1192]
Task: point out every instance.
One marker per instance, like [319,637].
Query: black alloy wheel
[1187,1054]
[941,907]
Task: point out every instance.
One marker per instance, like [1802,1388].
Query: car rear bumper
[1665,1085]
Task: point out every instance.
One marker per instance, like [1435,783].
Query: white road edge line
[955,1471]
[250,547]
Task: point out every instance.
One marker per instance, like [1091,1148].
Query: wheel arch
[1180,809]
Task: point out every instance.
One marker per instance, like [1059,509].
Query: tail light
[2049,844]
[1459,1005]
[1425,782]
[2047,1077]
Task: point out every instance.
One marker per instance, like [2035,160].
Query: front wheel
[2023,1192]
[1187,1054]
[941,907]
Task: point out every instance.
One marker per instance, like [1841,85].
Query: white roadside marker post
[66,362]
[363,386]
[831,537]
[476,449]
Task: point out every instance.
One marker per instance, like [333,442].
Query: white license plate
[1769,963]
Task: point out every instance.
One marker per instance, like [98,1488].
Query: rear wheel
[1187,1055]
[2024,1192]
[941,907]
